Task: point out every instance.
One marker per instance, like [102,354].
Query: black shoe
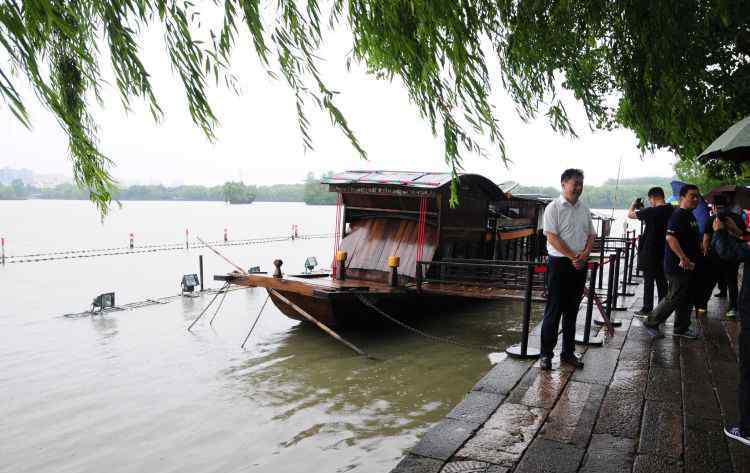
[642,313]
[720,295]
[545,363]
[573,360]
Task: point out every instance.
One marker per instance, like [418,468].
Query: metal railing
[529,276]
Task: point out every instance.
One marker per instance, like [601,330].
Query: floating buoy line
[137,249]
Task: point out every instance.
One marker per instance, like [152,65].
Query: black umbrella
[740,195]
[732,145]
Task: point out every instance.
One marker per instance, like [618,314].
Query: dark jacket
[731,249]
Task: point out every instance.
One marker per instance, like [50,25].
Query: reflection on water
[134,391]
[413,382]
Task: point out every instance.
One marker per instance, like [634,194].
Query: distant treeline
[609,195]
[311,192]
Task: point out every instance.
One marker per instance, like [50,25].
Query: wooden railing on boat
[500,274]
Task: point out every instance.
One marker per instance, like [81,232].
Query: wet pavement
[639,405]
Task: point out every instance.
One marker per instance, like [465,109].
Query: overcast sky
[258,139]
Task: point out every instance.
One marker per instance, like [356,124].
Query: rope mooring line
[435,338]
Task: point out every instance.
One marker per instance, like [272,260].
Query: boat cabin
[410,215]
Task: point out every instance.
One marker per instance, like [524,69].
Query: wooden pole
[315,321]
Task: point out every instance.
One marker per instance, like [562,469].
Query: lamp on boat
[310,264]
[393,262]
[189,282]
[341,265]
[103,301]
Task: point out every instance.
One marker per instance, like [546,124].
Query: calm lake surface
[134,391]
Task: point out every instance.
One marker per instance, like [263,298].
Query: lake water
[134,391]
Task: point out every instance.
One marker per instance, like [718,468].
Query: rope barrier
[126,250]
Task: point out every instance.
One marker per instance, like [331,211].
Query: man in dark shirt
[651,246]
[732,249]
[722,271]
[681,253]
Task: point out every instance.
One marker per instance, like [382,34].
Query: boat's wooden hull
[347,310]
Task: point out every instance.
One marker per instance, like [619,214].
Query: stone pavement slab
[572,419]
[471,466]
[620,414]
[665,354]
[504,437]
[476,407]
[600,364]
[664,385]
[539,388]
[656,464]
[661,432]
[503,376]
[415,464]
[705,446]
[608,454]
[444,438]
[548,456]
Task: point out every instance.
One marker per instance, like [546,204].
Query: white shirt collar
[564,201]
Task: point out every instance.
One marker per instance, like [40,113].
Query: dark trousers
[678,300]
[729,277]
[649,278]
[743,390]
[714,271]
[564,293]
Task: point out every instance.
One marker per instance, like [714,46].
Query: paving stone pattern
[638,406]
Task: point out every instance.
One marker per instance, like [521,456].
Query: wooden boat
[404,245]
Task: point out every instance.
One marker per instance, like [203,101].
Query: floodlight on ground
[310,263]
[190,282]
[103,301]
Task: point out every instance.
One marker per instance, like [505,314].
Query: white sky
[258,139]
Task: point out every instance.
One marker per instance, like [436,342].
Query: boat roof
[413,180]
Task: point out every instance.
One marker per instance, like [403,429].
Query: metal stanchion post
[626,269]
[200,269]
[601,260]
[611,290]
[586,339]
[634,244]
[523,350]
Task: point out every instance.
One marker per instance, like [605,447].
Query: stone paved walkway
[638,406]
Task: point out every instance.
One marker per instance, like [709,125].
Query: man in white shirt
[570,236]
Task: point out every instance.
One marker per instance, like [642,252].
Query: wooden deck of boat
[310,286]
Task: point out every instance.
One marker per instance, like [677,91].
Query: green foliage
[673,71]
[238,193]
[316,193]
[15,191]
[712,174]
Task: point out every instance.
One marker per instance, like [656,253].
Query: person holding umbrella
[734,250]
[724,272]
